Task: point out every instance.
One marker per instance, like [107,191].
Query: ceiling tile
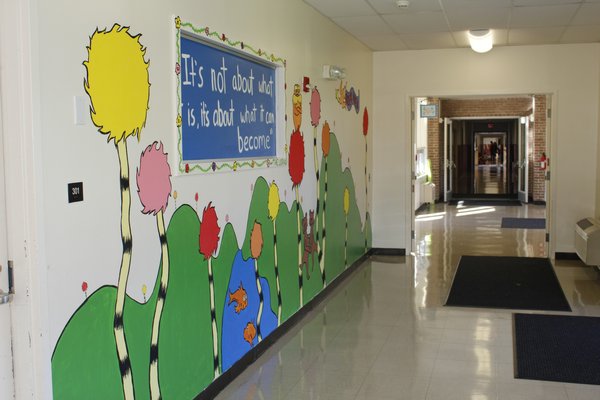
[390,7]
[425,22]
[439,40]
[383,42]
[475,18]
[341,8]
[588,14]
[362,26]
[453,4]
[532,36]
[581,34]
[543,2]
[527,17]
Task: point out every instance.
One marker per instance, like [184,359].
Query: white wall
[82,239]
[568,72]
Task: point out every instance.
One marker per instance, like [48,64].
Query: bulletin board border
[238,46]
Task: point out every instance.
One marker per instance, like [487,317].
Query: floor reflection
[384,333]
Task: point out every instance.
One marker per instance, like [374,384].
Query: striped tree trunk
[322,250]
[213,318]
[300,280]
[346,244]
[366,192]
[160,303]
[321,264]
[277,274]
[261,301]
[119,331]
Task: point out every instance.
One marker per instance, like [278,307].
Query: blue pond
[233,343]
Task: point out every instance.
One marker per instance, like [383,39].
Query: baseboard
[251,356]
[566,256]
[539,202]
[380,251]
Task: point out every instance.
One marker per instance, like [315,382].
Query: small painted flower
[207,31]
[154,179]
[235,165]
[252,164]
[84,286]
[177,22]
[177,68]
[187,168]
[223,37]
[214,166]
[178,121]
[242,45]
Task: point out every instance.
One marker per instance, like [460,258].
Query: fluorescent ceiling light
[481,40]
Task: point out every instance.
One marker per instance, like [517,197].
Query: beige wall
[82,240]
[505,71]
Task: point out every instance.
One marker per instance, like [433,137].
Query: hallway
[384,333]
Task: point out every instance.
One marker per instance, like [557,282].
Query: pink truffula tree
[154,189]
[296,170]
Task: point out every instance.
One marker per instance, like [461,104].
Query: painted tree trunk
[346,244]
[213,318]
[277,274]
[300,280]
[261,301]
[119,331]
[318,212]
[160,303]
[324,232]
[366,192]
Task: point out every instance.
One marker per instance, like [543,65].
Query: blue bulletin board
[229,105]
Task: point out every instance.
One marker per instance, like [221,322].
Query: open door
[449,165]
[523,162]
[6,364]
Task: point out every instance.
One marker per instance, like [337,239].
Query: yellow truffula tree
[118,85]
[273,206]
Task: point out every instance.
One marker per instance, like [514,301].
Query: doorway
[481,158]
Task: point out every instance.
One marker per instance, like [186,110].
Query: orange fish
[240,298]
[250,333]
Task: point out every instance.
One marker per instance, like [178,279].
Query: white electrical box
[587,240]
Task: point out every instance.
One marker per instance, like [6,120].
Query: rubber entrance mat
[520,283]
[524,223]
[557,348]
[485,202]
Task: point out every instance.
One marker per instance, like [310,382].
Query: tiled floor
[385,334]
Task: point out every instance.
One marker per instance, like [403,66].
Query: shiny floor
[490,179]
[384,333]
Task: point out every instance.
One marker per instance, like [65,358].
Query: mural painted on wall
[212,301]
[348,98]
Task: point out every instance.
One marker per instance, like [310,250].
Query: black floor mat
[485,202]
[524,223]
[557,348]
[520,283]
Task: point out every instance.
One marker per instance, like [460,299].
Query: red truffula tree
[209,241]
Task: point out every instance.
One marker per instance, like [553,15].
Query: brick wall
[494,107]
[538,187]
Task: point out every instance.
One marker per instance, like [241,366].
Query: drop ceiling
[443,24]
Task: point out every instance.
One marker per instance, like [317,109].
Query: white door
[6,365]
[448,160]
[523,161]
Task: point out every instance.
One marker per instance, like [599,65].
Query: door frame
[22,136]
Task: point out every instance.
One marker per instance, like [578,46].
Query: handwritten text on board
[228,104]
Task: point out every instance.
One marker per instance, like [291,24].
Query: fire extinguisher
[543,162]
